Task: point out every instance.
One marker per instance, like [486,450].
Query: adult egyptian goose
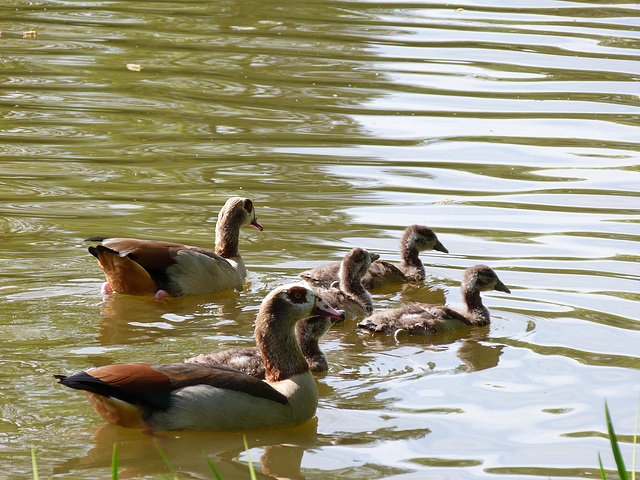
[162,269]
[350,295]
[188,396]
[416,239]
[425,319]
[249,359]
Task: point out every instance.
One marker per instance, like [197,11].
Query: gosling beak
[501,287]
[374,256]
[337,321]
[254,223]
[440,247]
[323,309]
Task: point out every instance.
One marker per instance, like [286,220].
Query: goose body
[188,396]
[148,267]
[249,359]
[416,238]
[425,319]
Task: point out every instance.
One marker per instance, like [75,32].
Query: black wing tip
[98,249]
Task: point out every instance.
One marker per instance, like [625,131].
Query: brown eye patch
[297,294]
[248,205]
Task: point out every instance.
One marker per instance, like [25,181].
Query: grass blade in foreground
[615,448]
[114,463]
[212,468]
[34,465]
[252,473]
[166,460]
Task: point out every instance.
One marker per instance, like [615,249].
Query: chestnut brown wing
[151,385]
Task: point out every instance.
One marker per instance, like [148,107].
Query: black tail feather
[84,381]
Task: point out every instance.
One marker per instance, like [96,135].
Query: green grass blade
[213,469]
[166,460]
[114,462]
[252,472]
[602,472]
[34,464]
[615,447]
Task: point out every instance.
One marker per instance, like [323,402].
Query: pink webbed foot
[106,289]
[161,295]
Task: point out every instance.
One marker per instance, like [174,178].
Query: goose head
[310,330]
[275,329]
[355,265]
[421,238]
[239,211]
[481,278]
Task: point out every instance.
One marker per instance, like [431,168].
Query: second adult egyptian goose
[161,269]
[188,396]
[249,359]
[416,239]
[425,319]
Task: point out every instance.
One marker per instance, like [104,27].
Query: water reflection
[139,453]
[128,320]
[512,130]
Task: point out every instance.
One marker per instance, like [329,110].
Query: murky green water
[510,127]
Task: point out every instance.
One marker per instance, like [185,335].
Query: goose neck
[276,339]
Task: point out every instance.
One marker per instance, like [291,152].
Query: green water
[512,130]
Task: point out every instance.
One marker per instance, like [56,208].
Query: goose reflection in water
[139,456]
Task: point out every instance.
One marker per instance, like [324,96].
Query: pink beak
[323,309]
[254,223]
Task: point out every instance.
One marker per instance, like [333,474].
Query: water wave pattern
[511,128]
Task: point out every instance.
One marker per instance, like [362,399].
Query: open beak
[323,309]
[254,223]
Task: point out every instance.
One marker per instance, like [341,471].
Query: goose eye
[297,294]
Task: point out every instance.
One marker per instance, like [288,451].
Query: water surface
[512,130]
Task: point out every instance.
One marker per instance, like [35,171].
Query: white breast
[195,273]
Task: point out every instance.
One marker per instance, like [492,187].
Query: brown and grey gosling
[249,359]
[350,295]
[425,319]
[166,269]
[416,239]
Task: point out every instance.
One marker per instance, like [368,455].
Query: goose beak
[501,287]
[323,309]
[440,247]
[254,223]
